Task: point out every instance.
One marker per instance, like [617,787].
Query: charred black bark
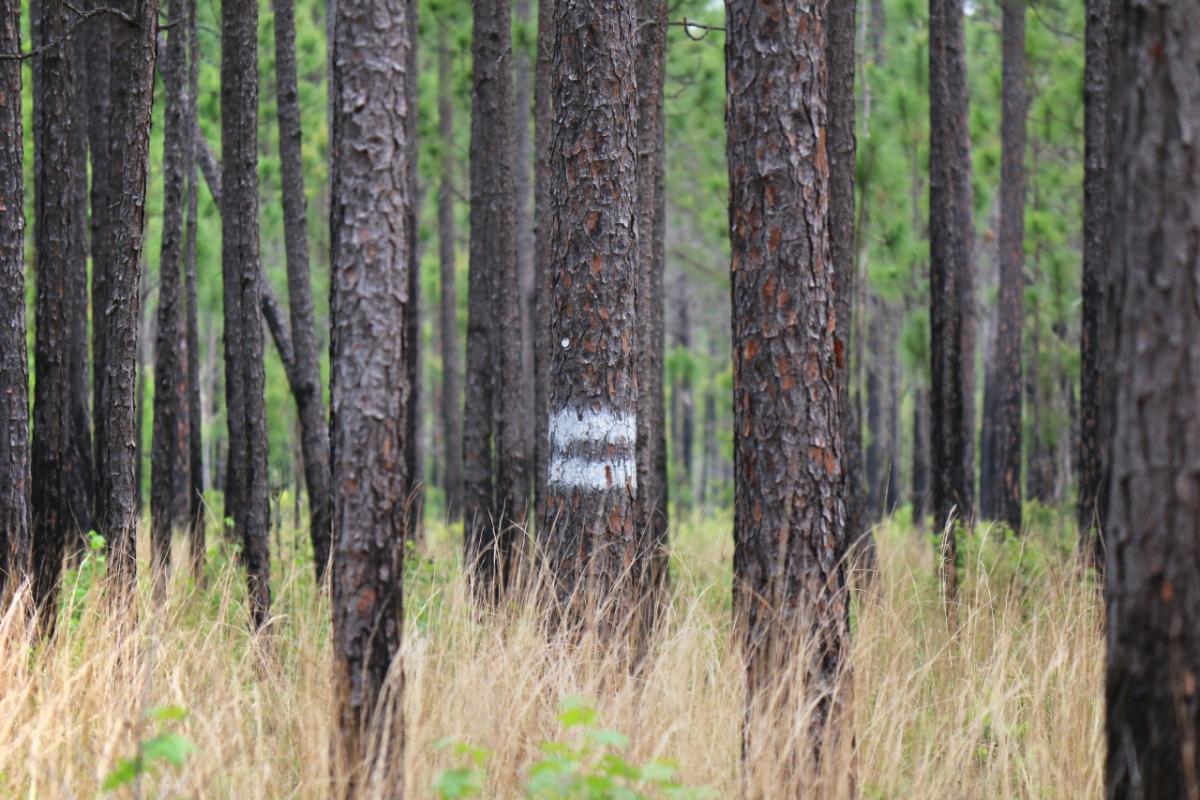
[369,218]
[1152,576]
[310,404]
[790,594]
[543,337]
[196,526]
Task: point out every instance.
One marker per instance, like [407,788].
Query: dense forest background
[891,315]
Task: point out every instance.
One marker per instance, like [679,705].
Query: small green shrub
[164,748]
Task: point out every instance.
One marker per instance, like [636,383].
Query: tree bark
[652,491]
[310,404]
[170,464]
[544,344]
[588,531]
[451,405]
[789,518]
[921,452]
[246,495]
[55,233]
[526,272]
[196,524]
[414,508]
[683,406]
[15,525]
[116,299]
[1006,438]
[1152,576]
[495,491]
[948,264]
[1097,333]
[372,125]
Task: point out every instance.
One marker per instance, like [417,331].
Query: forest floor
[1010,705]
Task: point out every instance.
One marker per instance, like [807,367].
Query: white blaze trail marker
[593,449]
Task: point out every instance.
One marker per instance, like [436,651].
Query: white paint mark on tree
[593,449]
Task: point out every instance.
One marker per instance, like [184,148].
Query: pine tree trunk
[170,461]
[683,406]
[310,404]
[542,275]
[588,532]
[789,517]
[1152,577]
[1006,438]
[1096,331]
[116,299]
[652,493]
[55,231]
[414,507]
[196,510]
[922,448]
[495,489]
[876,468]
[15,525]
[372,123]
[949,252]
[244,377]
[526,271]
[451,405]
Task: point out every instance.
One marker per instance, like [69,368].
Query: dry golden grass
[1009,706]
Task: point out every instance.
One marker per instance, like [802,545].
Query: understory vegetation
[186,703]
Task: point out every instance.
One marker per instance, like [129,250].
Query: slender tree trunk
[414,507]
[170,461]
[588,532]
[116,299]
[652,492]
[495,490]
[1006,438]
[708,436]
[876,467]
[921,452]
[1096,332]
[147,326]
[949,253]
[310,404]
[15,525]
[542,211]
[452,418]
[196,526]
[244,377]
[1152,577]
[789,517]
[683,406]
[55,231]
[523,183]
[372,123]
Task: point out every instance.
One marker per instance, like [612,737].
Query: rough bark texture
[790,597]
[170,464]
[1006,360]
[1097,333]
[1152,577]
[948,253]
[588,531]
[544,344]
[369,218]
[495,491]
[414,508]
[196,526]
[116,301]
[247,503]
[310,404]
[523,185]
[55,230]
[842,149]
[452,417]
[652,226]
[683,405]
[15,527]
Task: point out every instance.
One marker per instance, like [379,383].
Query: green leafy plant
[164,748]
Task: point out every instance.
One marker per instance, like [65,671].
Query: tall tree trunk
[708,437]
[542,275]
[588,531]
[170,462]
[116,299]
[196,527]
[55,232]
[244,377]
[683,406]
[15,525]
[652,494]
[1152,577]
[876,466]
[310,404]
[1097,333]
[372,122]
[1006,438]
[414,508]
[523,183]
[789,518]
[495,490]
[949,262]
[451,405]
[922,448]
[842,150]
